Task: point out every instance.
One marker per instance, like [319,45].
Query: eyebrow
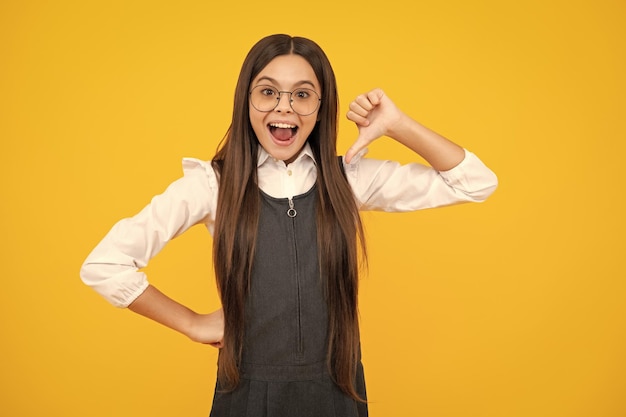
[273,81]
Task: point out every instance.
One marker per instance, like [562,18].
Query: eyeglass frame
[280,95]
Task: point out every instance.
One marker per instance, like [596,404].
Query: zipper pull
[291,212]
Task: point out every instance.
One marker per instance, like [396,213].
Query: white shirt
[113,267]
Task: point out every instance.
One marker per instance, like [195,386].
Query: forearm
[202,328]
[441,153]
[156,306]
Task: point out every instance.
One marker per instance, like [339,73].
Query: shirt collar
[306,151]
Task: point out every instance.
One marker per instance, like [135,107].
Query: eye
[267,91]
[301,94]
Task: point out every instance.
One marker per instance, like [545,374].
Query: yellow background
[514,307]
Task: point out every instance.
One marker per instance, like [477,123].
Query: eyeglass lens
[303,101]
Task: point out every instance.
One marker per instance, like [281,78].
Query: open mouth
[283,131]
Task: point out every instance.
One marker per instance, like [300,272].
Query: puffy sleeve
[113,267]
[389,186]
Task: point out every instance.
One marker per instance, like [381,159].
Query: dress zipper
[291,212]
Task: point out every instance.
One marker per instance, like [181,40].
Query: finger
[349,155]
[358,109]
[356,147]
[375,96]
[365,101]
[357,118]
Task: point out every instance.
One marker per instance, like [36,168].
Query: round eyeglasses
[303,101]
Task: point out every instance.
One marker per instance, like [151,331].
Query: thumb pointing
[356,147]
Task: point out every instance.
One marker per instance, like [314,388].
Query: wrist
[402,128]
[189,326]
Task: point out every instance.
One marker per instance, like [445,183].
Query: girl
[284,213]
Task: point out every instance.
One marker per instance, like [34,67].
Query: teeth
[282,125]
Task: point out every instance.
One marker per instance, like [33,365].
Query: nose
[284,105]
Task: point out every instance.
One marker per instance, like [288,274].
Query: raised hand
[375,115]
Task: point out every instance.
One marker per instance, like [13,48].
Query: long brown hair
[339,228]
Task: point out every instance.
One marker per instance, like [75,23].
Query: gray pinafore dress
[283,370]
